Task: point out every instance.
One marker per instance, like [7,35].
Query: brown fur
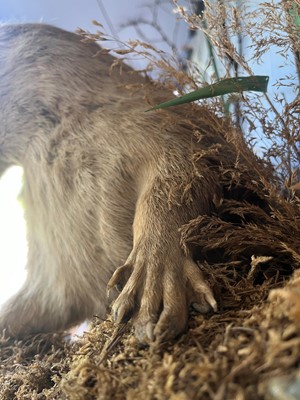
[104,187]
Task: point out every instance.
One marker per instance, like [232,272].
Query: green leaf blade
[257,83]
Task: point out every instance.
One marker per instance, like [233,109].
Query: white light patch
[13,245]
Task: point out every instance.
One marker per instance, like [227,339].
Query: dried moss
[232,354]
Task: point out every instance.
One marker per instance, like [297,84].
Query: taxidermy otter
[107,188]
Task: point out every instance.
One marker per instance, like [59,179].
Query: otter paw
[157,294]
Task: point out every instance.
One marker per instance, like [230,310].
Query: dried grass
[248,249]
[232,354]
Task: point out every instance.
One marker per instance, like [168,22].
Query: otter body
[104,190]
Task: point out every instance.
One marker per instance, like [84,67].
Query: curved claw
[120,277]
